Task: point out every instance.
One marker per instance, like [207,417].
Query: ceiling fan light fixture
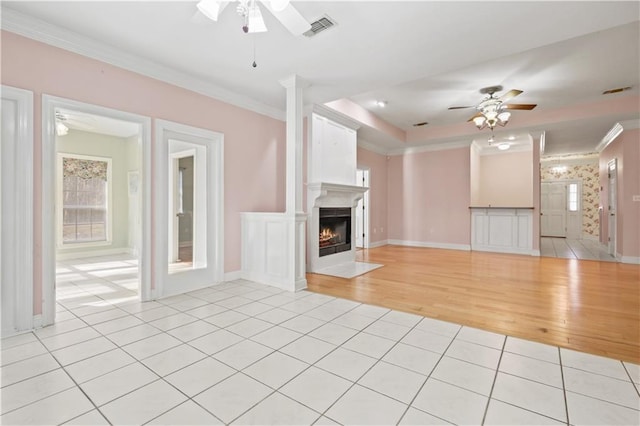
[504,117]
[279,5]
[255,20]
[479,121]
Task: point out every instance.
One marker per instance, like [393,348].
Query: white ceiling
[97,124]
[421,57]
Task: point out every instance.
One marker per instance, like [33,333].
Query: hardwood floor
[584,305]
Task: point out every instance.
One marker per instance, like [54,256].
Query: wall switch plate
[636,198]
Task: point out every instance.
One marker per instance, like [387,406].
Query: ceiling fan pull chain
[254,52]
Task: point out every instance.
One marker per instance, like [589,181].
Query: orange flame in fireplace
[327,237]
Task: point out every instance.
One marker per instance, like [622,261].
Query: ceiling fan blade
[461,107]
[477,115]
[527,107]
[290,18]
[510,94]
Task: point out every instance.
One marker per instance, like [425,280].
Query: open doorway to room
[94,219]
[569,207]
[98,209]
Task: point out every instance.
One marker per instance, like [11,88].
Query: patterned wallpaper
[589,174]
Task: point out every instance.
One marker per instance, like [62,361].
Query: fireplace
[335,231]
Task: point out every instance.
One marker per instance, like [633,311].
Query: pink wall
[626,148]
[506,179]
[253,147]
[377,164]
[429,196]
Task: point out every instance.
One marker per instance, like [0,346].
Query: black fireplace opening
[335,230]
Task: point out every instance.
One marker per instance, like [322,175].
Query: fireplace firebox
[335,230]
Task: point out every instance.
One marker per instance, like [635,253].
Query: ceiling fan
[252,21]
[493,110]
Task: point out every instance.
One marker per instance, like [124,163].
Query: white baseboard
[37,321]
[448,246]
[92,253]
[378,244]
[590,237]
[232,276]
[535,253]
[630,259]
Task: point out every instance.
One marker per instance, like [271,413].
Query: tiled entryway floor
[574,249]
[244,353]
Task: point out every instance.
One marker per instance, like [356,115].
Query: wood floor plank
[583,305]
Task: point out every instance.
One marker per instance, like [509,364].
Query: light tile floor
[574,249]
[244,353]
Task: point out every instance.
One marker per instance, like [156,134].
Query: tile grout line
[493,384]
[564,387]
[410,404]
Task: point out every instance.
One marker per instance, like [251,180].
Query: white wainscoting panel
[268,239]
[504,230]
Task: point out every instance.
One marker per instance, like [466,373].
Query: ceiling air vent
[320,25]
[422,123]
[616,90]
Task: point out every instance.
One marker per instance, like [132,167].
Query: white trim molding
[48,143]
[211,144]
[630,259]
[430,147]
[93,253]
[378,244]
[232,276]
[53,35]
[427,244]
[17,209]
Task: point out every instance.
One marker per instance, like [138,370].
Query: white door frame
[366,175]
[49,105]
[165,131]
[18,210]
[612,211]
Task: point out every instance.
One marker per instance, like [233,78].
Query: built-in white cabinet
[332,152]
[505,230]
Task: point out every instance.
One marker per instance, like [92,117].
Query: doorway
[189,205]
[362,210]
[96,204]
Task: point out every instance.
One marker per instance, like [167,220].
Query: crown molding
[56,36]
[613,133]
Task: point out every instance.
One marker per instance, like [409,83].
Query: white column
[294,85]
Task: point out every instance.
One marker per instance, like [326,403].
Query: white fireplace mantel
[325,194]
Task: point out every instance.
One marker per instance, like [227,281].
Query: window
[573,197]
[84,195]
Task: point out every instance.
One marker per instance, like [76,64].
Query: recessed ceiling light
[512,138]
[381,104]
[503,146]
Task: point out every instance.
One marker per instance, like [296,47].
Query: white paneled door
[553,208]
